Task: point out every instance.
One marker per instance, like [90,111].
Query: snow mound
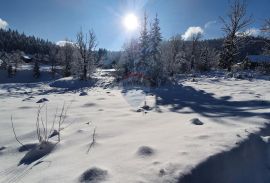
[145,151]
[94,175]
[70,83]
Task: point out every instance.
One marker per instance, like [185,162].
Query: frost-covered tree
[15,58]
[67,58]
[129,59]
[169,51]
[53,58]
[237,20]
[208,59]
[36,70]
[143,64]
[92,44]
[156,66]
[86,57]
[182,63]
[195,52]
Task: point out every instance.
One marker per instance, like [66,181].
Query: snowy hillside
[211,130]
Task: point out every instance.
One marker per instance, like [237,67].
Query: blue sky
[59,19]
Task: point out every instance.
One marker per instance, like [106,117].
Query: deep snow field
[228,142]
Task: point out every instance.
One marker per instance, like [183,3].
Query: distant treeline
[12,40]
[251,45]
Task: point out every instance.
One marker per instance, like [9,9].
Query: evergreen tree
[36,71]
[143,64]
[155,40]
[156,67]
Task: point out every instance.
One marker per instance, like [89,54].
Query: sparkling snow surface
[156,145]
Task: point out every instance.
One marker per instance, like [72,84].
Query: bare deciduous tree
[86,45]
[233,24]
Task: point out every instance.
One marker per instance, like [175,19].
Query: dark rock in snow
[83,93]
[42,100]
[94,175]
[193,80]
[196,121]
[54,133]
[146,107]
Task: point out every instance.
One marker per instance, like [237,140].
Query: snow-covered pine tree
[182,63]
[156,66]
[36,71]
[143,65]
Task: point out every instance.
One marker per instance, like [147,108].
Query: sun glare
[130,22]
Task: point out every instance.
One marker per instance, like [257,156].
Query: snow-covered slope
[161,143]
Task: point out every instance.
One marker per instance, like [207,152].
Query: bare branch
[15,132]
[93,140]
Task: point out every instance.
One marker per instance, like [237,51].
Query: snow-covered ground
[166,143]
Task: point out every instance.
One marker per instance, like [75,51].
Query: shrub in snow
[44,132]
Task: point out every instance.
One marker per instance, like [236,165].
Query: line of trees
[149,58]
[12,40]
[156,60]
[76,58]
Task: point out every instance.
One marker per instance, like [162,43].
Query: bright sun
[130,22]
